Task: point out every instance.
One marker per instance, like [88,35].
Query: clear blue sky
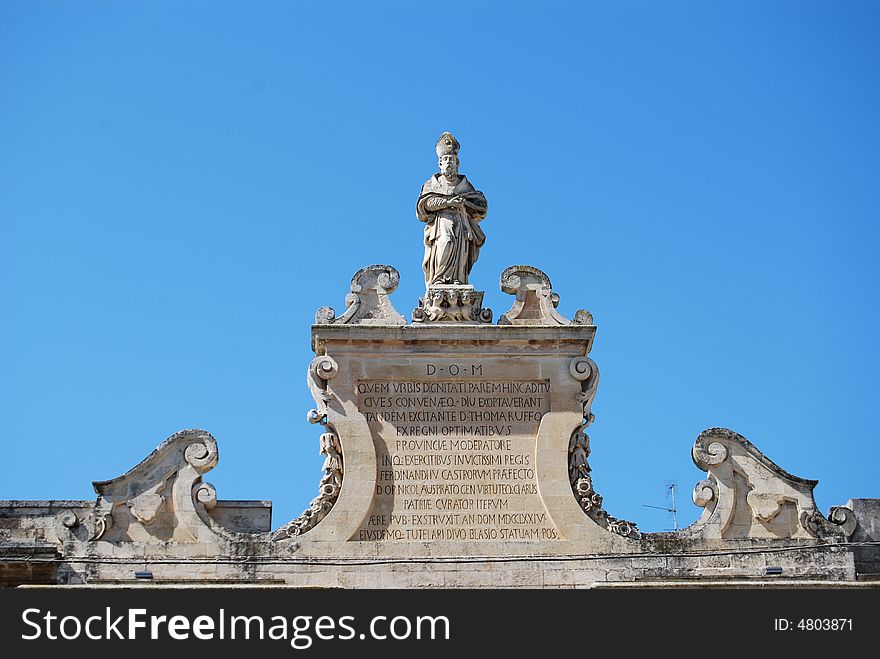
[183,184]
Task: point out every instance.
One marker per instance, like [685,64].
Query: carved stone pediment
[367,302]
[162,498]
[535,302]
[748,495]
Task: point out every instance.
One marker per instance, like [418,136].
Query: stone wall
[456,456]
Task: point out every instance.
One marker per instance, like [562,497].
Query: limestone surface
[456,455]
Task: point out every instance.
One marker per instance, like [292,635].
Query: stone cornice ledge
[449,332]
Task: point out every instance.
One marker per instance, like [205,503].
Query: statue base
[452,303]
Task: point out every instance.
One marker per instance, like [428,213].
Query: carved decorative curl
[845,518]
[325,316]
[582,317]
[581,368]
[321,370]
[517,276]
[368,302]
[324,368]
[202,455]
[205,494]
[840,523]
[705,492]
[814,522]
[708,456]
[388,279]
[69,519]
[103,523]
[586,372]
[328,489]
[535,302]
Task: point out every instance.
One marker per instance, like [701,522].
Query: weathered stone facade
[456,455]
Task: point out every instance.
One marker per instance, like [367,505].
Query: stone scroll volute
[535,302]
[368,301]
[747,495]
[164,497]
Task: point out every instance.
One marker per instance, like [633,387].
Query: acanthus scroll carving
[328,489]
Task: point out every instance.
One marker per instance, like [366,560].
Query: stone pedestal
[451,303]
[457,441]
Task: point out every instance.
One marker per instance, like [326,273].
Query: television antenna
[670,495]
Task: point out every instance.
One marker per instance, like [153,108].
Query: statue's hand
[455,202]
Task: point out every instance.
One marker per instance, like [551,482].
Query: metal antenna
[670,491]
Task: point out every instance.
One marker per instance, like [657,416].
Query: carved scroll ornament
[742,479]
[321,370]
[586,372]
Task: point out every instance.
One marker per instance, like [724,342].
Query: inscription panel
[456,455]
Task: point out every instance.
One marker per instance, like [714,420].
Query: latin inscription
[456,456]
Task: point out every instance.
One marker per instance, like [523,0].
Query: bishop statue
[452,210]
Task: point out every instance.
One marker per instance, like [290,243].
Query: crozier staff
[451,209]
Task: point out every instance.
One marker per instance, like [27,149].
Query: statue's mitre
[447,145]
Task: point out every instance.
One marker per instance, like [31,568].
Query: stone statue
[451,209]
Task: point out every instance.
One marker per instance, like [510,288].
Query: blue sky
[183,184]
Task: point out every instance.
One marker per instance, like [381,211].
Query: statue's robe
[453,236]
